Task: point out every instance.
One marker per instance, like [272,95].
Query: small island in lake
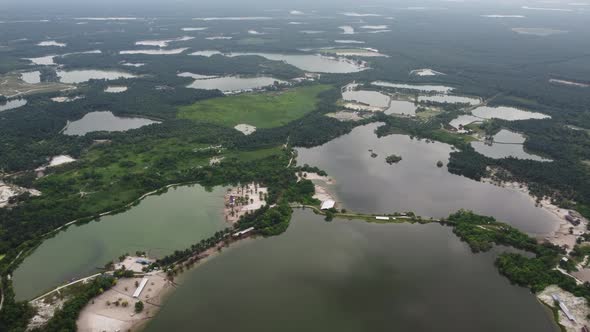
[393,159]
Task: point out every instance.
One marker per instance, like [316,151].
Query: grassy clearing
[2,257]
[262,110]
[108,177]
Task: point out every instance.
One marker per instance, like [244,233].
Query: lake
[371,98]
[31,77]
[463,120]
[104,121]
[506,144]
[366,184]
[417,87]
[312,62]
[229,84]
[350,276]
[158,225]
[402,107]
[12,104]
[80,76]
[506,113]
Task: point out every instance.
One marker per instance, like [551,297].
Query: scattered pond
[115,89]
[450,99]
[104,121]
[80,76]
[426,88]
[425,72]
[156,52]
[506,113]
[351,276]
[347,30]
[348,41]
[51,43]
[464,120]
[158,225]
[245,129]
[505,144]
[312,62]
[371,98]
[206,53]
[48,60]
[402,107]
[367,184]
[232,84]
[31,77]
[12,104]
[162,42]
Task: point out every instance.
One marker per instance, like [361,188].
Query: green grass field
[262,110]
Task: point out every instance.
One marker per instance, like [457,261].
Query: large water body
[104,121]
[158,225]
[80,76]
[366,184]
[351,276]
[312,62]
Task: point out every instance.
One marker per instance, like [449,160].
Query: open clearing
[262,110]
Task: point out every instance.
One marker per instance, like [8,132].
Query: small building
[244,232]
[381,218]
[140,288]
[327,205]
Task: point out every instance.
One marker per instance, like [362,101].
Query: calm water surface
[12,104]
[228,84]
[79,76]
[506,144]
[506,113]
[104,121]
[351,276]
[367,184]
[312,62]
[158,225]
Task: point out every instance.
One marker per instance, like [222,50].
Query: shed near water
[327,205]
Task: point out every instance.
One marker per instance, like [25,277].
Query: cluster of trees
[535,272]
[65,318]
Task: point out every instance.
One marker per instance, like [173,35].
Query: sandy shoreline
[560,235]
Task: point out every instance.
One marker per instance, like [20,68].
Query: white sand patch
[106,18]
[243,199]
[347,30]
[115,89]
[206,53]
[195,29]
[379,31]
[254,32]
[162,42]
[296,23]
[503,16]
[219,38]
[541,32]
[547,9]
[296,12]
[60,160]
[65,99]
[425,72]
[355,14]
[98,316]
[576,305]
[131,64]
[134,263]
[196,76]
[245,129]
[234,18]
[51,43]
[7,191]
[348,41]
[570,83]
[345,116]
[374,27]
[155,51]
